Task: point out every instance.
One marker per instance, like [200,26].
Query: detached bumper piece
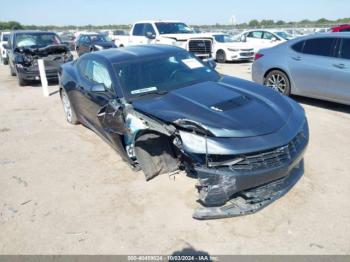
[251,201]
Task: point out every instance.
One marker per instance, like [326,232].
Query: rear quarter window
[298,47]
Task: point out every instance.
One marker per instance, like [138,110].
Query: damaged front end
[235,176]
[26,61]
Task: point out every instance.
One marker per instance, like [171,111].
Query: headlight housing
[199,144]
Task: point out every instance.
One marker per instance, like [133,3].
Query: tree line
[266,23]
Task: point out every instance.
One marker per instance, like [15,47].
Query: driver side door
[96,93]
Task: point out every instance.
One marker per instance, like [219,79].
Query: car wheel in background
[21,81]
[12,71]
[221,56]
[278,81]
[5,61]
[69,112]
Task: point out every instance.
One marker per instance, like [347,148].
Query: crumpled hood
[44,51]
[184,37]
[228,108]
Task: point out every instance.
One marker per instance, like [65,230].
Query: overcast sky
[101,12]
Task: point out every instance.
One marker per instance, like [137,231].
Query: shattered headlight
[199,144]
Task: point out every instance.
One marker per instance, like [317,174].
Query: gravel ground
[65,191]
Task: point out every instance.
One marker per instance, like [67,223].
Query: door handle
[297,58]
[340,66]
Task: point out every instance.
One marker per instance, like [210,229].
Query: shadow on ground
[190,254]
[322,104]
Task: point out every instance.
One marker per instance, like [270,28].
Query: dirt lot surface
[65,191]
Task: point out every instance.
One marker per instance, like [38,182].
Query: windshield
[99,38]
[162,74]
[5,37]
[173,28]
[284,35]
[36,40]
[224,38]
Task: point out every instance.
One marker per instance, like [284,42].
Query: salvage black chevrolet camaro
[164,110]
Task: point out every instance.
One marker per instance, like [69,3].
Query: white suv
[3,41]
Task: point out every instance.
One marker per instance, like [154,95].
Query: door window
[100,74]
[320,46]
[268,36]
[345,48]
[255,34]
[138,30]
[149,28]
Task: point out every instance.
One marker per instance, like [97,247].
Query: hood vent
[230,104]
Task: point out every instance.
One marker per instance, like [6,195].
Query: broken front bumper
[261,179]
[32,73]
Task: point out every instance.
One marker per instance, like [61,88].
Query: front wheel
[69,112]
[21,81]
[278,81]
[221,56]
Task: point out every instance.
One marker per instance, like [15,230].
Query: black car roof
[117,55]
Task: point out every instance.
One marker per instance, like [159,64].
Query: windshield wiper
[152,93]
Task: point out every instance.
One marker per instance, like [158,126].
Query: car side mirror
[273,39]
[211,63]
[150,35]
[98,88]
[243,38]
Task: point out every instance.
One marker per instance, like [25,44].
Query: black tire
[21,81]
[69,111]
[12,71]
[221,56]
[6,61]
[279,81]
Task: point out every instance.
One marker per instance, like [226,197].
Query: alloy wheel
[277,82]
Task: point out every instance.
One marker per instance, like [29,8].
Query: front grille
[247,53]
[200,46]
[271,159]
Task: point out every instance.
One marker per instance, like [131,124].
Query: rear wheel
[221,56]
[278,81]
[69,112]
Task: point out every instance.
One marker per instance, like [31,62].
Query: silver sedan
[315,66]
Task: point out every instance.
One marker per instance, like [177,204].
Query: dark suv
[93,42]
[26,47]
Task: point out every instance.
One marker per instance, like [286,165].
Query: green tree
[254,23]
